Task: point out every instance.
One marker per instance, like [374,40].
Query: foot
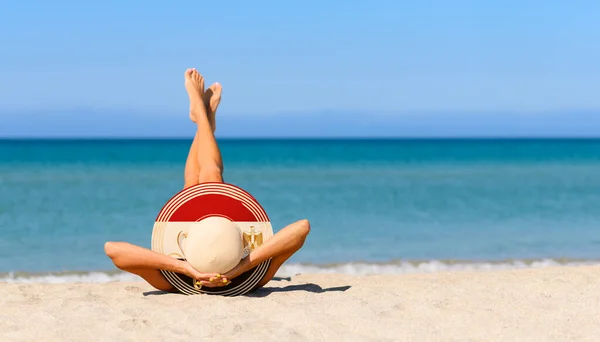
[194,84]
[212,98]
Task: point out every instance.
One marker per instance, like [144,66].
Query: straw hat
[212,226]
[213,245]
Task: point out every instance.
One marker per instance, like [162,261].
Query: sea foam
[355,268]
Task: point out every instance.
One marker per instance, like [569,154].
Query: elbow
[301,230]
[114,251]
[111,249]
[304,227]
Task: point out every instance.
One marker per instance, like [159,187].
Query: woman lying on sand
[204,164]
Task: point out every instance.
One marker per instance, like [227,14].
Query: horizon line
[320,110]
[466,137]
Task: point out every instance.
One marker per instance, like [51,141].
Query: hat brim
[199,202]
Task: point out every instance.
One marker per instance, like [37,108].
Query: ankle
[197,111]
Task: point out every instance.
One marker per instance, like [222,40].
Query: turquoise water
[376,206]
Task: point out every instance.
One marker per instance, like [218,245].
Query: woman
[204,164]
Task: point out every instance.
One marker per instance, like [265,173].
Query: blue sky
[117,61]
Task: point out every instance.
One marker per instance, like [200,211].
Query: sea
[383,206]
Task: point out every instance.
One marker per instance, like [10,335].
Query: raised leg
[208,154]
[211,99]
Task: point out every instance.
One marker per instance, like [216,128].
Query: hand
[216,281]
[207,279]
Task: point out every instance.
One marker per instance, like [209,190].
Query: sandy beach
[549,304]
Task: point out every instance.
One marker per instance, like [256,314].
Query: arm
[136,259]
[286,241]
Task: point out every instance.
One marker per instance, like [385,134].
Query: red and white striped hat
[205,200]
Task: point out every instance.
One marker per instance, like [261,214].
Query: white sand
[553,304]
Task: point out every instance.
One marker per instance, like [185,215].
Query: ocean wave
[354,268]
[68,277]
[429,266]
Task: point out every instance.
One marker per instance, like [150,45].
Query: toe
[217,88]
[213,89]
[201,82]
[209,92]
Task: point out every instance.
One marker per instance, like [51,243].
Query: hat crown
[213,245]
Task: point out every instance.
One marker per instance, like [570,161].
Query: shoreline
[544,304]
[397,267]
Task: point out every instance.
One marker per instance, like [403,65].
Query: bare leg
[211,99]
[209,158]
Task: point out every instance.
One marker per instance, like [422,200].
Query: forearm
[128,256]
[288,240]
